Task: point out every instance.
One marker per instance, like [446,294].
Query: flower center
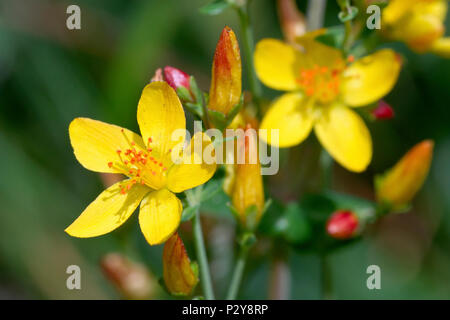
[142,166]
[320,82]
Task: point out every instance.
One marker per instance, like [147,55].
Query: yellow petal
[370,78]
[395,10]
[95,143]
[317,53]
[291,115]
[109,211]
[159,114]
[159,216]
[196,167]
[345,136]
[178,275]
[442,47]
[276,64]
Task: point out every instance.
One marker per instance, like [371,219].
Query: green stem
[237,274]
[325,275]
[315,14]
[205,275]
[248,48]
[326,166]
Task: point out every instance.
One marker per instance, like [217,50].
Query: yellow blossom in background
[398,186]
[323,87]
[153,178]
[418,23]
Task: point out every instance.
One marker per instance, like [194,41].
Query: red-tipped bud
[176,78]
[292,20]
[342,224]
[383,111]
[131,279]
[226,87]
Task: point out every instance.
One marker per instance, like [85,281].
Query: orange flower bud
[131,279]
[248,190]
[399,185]
[179,275]
[342,224]
[226,83]
[291,19]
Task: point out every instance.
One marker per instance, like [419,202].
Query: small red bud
[342,224]
[383,111]
[176,78]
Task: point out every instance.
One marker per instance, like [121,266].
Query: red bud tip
[383,111]
[342,224]
[176,78]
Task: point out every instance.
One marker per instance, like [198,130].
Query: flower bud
[180,276]
[248,192]
[397,187]
[342,224]
[291,19]
[131,279]
[176,78]
[226,82]
[383,111]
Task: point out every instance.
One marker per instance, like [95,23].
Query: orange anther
[110,164]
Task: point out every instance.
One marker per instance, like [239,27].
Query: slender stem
[326,166]
[325,274]
[248,48]
[237,274]
[315,14]
[205,275]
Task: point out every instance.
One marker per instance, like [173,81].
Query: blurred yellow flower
[147,161]
[322,86]
[418,23]
[397,187]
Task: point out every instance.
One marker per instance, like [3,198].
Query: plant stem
[315,14]
[326,166]
[205,275]
[325,274]
[237,274]
[248,48]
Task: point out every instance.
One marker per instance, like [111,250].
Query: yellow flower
[153,177]
[418,23]
[398,186]
[322,86]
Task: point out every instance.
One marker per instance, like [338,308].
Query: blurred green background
[50,75]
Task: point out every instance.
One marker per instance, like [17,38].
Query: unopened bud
[248,191]
[180,276]
[383,111]
[226,82]
[131,279]
[397,187]
[176,78]
[342,224]
[291,19]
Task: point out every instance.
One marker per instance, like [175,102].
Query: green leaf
[333,37]
[215,7]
